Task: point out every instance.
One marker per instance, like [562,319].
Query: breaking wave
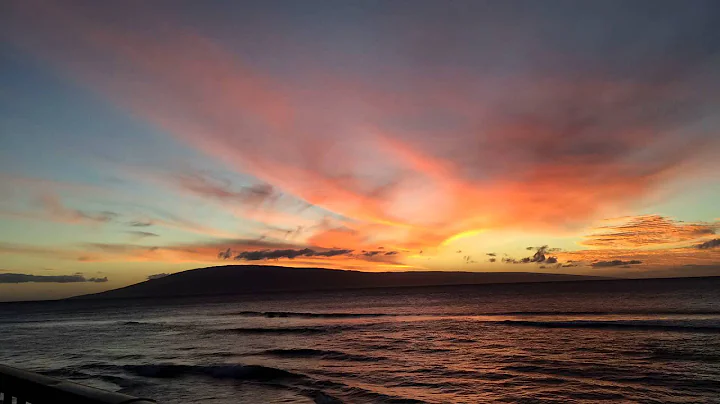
[237,372]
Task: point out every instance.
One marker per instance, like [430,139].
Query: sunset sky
[141,138]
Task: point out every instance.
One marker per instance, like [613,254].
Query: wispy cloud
[141,234]
[139,223]
[26,278]
[256,204]
[49,207]
[200,252]
[663,257]
[206,185]
[57,252]
[157,216]
[60,212]
[54,201]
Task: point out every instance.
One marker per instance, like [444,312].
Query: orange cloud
[338,237]
[648,231]
[671,257]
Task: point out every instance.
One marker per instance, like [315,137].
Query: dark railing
[18,386]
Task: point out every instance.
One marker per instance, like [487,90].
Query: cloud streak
[288,253]
[49,207]
[663,257]
[614,263]
[27,278]
[142,234]
[650,230]
[709,244]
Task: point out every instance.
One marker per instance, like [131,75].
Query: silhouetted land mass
[239,279]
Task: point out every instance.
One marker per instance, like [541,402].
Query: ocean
[648,341]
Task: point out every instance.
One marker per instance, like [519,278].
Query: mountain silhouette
[239,279]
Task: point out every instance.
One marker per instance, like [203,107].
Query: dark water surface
[637,341]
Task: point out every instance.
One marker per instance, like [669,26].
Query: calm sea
[637,341]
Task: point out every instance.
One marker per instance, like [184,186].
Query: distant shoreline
[255,279]
[89,298]
[479,285]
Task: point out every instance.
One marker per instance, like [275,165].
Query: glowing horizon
[147,139]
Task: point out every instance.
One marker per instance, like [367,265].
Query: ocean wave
[663,354]
[150,325]
[612,374]
[648,312]
[459,374]
[232,371]
[215,355]
[363,394]
[271,376]
[127,357]
[596,395]
[320,397]
[291,314]
[316,389]
[66,373]
[283,330]
[613,325]
[134,323]
[318,353]
[460,340]
[78,375]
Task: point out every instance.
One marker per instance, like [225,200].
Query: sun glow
[461,235]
